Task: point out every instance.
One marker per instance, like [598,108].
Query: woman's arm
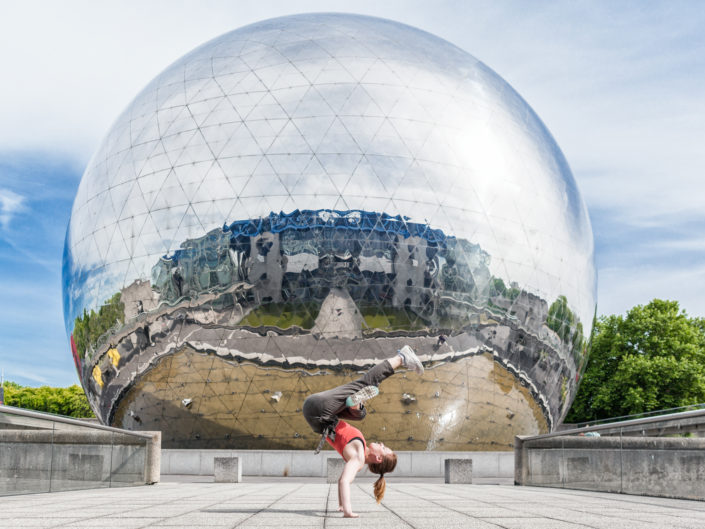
[350,470]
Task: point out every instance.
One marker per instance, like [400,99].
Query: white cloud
[27,372]
[621,288]
[75,65]
[15,371]
[618,85]
[10,204]
[694,243]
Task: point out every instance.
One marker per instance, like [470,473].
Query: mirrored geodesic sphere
[294,201]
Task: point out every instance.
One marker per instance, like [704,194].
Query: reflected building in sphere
[295,200]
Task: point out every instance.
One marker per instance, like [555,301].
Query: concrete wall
[672,467]
[306,463]
[53,460]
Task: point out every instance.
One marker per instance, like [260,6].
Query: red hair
[385,466]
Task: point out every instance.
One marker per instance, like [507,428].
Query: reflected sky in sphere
[329,111]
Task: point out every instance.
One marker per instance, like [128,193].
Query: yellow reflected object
[114,356]
[98,376]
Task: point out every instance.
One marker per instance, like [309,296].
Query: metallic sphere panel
[293,201]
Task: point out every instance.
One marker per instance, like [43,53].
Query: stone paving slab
[295,503]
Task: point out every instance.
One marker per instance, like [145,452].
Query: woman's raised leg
[323,409]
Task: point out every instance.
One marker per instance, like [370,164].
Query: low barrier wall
[672,467]
[298,463]
[33,460]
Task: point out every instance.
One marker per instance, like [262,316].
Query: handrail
[67,420]
[612,425]
[645,414]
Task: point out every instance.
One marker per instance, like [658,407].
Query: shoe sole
[362,395]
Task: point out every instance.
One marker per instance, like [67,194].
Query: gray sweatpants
[323,409]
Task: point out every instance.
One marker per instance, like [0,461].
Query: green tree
[92,325]
[70,401]
[560,318]
[654,358]
[498,288]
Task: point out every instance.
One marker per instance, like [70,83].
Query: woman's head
[387,464]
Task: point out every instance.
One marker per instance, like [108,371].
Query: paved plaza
[300,503]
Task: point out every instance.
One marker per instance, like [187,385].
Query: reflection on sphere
[295,200]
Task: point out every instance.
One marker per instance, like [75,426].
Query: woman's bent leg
[323,409]
[316,410]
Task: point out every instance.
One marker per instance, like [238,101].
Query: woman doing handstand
[323,412]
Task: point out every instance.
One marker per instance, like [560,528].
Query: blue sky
[620,85]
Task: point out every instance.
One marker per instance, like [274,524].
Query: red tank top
[344,433]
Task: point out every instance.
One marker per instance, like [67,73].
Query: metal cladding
[294,201]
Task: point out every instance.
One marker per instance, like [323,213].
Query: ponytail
[380,487]
[387,464]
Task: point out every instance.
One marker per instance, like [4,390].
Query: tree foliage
[70,401]
[498,288]
[560,318]
[565,323]
[651,359]
[92,325]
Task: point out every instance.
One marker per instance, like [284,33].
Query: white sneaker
[361,396]
[410,360]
